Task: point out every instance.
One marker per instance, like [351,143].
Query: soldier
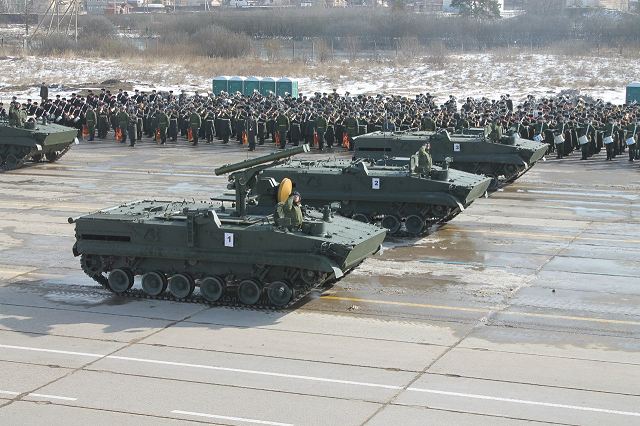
[494,130]
[631,139]
[225,127]
[195,122]
[291,209]
[208,119]
[252,127]
[282,127]
[103,122]
[351,126]
[583,130]
[172,132]
[91,120]
[122,120]
[425,161]
[558,138]
[295,131]
[132,128]
[321,128]
[163,125]
[609,133]
[262,128]
[44,92]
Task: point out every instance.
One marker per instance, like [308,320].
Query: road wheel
[280,293]
[249,292]
[212,288]
[181,286]
[154,283]
[120,280]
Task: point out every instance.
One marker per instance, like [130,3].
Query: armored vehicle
[33,141]
[403,199]
[503,162]
[231,256]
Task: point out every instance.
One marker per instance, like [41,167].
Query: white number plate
[228,239]
[375,183]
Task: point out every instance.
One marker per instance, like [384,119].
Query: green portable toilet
[236,84]
[286,85]
[220,84]
[251,84]
[633,92]
[267,85]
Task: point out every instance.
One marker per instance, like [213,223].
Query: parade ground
[523,309]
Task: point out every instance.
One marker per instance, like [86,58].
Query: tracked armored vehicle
[402,199]
[503,162]
[33,141]
[232,257]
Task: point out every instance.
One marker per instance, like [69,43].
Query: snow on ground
[461,75]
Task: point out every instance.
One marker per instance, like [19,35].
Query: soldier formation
[326,120]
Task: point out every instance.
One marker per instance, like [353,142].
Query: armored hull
[403,201]
[206,252]
[34,142]
[503,162]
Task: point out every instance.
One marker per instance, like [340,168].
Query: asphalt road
[524,309]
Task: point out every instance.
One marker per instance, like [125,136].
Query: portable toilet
[267,85]
[251,84]
[220,84]
[286,85]
[633,92]
[236,84]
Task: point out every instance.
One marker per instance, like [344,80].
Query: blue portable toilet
[267,84]
[220,84]
[236,84]
[633,92]
[286,85]
[251,84]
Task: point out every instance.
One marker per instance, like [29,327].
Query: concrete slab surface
[521,310]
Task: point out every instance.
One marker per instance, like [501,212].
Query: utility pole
[26,18]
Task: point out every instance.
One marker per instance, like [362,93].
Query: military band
[328,120]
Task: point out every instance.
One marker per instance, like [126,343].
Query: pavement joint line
[526,402]
[480,310]
[235,419]
[408,304]
[495,232]
[203,366]
[39,395]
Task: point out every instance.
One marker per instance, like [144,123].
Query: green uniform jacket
[123,119]
[91,118]
[321,125]
[351,124]
[195,121]
[292,211]
[424,161]
[282,122]
[163,120]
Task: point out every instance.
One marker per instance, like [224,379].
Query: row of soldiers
[326,120]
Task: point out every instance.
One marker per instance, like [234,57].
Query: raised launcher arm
[244,174]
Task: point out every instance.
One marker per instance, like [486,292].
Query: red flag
[277,138]
[158,137]
[245,138]
[190,134]
[85,131]
[316,141]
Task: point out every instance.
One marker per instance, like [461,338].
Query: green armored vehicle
[231,256]
[36,141]
[504,162]
[403,199]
